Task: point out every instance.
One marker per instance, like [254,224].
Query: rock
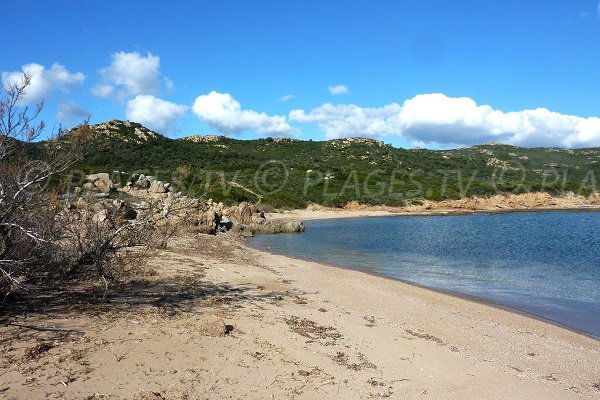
[101,182]
[209,220]
[157,187]
[241,230]
[215,328]
[212,219]
[204,138]
[278,227]
[158,196]
[245,213]
[226,223]
[144,205]
[126,211]
[100,218]
[142,183]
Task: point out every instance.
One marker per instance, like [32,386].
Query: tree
[41,234]
[28,232]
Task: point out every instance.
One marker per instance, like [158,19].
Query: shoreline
[212,317]
[333,213]
[523,323]
[328,214]
[458,295]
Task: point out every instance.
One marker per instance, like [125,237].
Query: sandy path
[301,330]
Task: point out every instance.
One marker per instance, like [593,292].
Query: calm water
[543,263]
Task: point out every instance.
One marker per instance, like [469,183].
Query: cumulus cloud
[129,74]
[350,120]
[438,120]
[224,113]
[43,80]
[154,113]
[69,111]
[338,89]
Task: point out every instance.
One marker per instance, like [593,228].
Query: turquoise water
[544,263]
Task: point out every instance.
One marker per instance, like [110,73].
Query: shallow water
[544,263]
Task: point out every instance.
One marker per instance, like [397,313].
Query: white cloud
[169,84]
[70,111]
[438,120]
[129,74]
[287,97]
[43,80]
[154,113]
[338,89]
[103,90]
[224,113]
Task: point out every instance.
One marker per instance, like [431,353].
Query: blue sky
[412,73]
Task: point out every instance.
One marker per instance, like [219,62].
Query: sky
[435,74]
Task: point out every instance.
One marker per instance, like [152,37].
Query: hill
[293,173]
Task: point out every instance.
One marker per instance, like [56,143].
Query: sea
[545,263]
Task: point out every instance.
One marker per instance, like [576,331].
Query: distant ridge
[338,171]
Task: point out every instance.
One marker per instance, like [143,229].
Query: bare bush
[42,236]
[29,233]
[98,235]
[161,233]
[26,210]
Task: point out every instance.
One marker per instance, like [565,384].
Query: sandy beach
[295,330]
[520,203]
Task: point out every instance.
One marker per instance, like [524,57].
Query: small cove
[543,263]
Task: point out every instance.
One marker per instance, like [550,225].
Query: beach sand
[301,330]
[376,211]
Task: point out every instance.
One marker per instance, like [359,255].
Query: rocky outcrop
[125,131]
[522,201]
[204,138]
[248,219]
[99,182]
[162,204]
[347,142]
[245,213]
[209,220]
[147,186]
[270,226]
[157,187]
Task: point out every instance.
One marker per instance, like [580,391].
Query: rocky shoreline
[155,200]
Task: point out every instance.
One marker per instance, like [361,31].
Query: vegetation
[41,237]
[287,173]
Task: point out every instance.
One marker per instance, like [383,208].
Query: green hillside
[293,173]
